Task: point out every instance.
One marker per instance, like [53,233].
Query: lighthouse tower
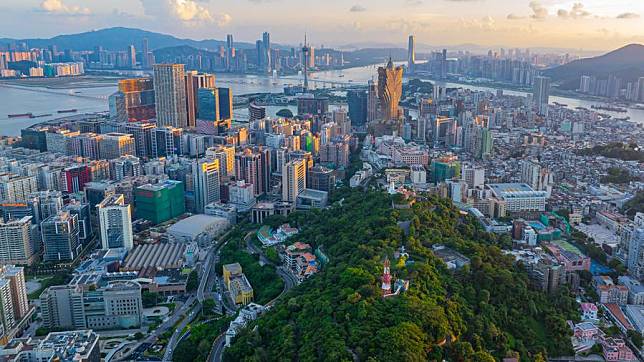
[386,279]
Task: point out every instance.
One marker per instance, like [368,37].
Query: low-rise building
[72,346]
[237,284]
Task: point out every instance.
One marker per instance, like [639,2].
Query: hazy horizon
[596,25]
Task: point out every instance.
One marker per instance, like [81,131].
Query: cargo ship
[74,110]
[21,115]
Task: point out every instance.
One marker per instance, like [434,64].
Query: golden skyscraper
[390,81]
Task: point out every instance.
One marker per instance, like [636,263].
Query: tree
[149,299]
[193,281]
[635,337]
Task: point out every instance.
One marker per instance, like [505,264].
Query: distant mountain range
[626,63]
[167,46]
[120,38]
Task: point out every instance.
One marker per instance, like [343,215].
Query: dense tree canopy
[482,311]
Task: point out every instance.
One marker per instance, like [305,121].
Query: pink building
[588,312]
[585,331]
[571,261]
[615,350]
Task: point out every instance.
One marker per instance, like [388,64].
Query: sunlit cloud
[59,7]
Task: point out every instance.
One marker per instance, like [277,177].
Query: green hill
[626,63]
[480,312]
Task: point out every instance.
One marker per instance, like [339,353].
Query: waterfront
[41,100]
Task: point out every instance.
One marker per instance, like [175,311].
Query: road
[290,281]
[154,335]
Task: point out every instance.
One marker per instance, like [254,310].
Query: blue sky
[582,24]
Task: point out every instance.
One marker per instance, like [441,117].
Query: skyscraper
[60,237]
[170,93]
[230,52]
[195,81]
[411,56]
[372,101]
[266,51]
[115,217]
[206,182]
[306,51]
[225,103]
[357,100]
[541,94]
[134,100]
[145,61]
[114,145]
[15,242]
[131,56]
[208,104]
[293,179]
[389,90]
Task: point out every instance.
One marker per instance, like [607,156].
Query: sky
[580,24]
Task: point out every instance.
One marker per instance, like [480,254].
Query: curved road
[289,282]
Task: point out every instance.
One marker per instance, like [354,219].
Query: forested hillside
[478,313]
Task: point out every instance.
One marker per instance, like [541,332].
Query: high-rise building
[266,52]
[250,168]
[131,56]
[142,134]
[114,145]
[170,95]
[225,103]
[226,156]
[160,202]
[208,104]
[14,188]
[411,54]
[60,237]
[306,53]
[541,94]
[83,214]
[115,217]
[372,101]
[357,100]
[474,176]
[320,178]
[99,305]
[640,87]
[445,169]
[230,52]
[389,90]
[75,178]
[15,241]
[293,179]
[166,141]
[206,182]
[195,81]
[125,166]
[145,53]
[15,276]
[134,101]
[255,112]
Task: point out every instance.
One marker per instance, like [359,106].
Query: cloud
[628,16]
[577,12]
[224,19]
[357,9]
[538,11]
[59,7]
[515,17]
[186,11]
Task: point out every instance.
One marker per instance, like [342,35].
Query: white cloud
[59,7]
[576,12]
[538,10]
[187,11]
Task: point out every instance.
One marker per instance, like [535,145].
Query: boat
[609,108]
[21,115]
[73,110]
